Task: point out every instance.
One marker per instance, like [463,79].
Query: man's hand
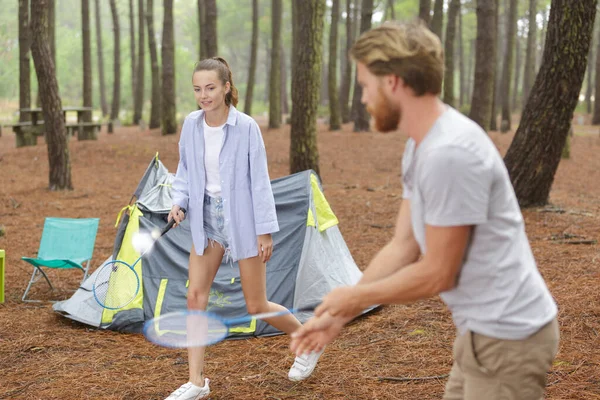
[265,247]
[344,302]
[316,333]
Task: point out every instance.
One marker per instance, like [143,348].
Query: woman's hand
[177,214]
[265,247]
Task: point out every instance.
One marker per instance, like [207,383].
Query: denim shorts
[214,222]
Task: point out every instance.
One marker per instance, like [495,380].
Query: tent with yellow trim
[310,258]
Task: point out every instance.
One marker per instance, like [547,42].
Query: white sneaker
[304,365]
[189,391]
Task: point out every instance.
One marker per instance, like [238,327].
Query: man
[459,232]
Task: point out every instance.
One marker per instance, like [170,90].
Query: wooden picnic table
[26,132]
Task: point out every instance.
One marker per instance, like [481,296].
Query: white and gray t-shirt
[213,141]
[456,177]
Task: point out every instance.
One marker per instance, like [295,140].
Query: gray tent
[310,258]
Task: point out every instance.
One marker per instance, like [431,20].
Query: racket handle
[170,224]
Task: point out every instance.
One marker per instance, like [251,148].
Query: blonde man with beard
[459,234]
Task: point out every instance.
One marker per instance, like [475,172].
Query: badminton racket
[195,328]
[117,283]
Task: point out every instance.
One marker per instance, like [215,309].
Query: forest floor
[46,356]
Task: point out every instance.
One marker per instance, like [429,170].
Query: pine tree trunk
[334,103]
[138,102]
[534,155]
[485,63]
[86,133]
[275,68]
[596,115]
[202,29]
[453,11]
[514,103]
[500,54]
[360,115]
[511,34]
[347,75]
[24,60]
[210,28]
[253,53]
[56,138]
[308,41]
[169,116]
[132,51]
[531,54]
[461,61]
[437,22]
[51,29]
[425,11]
[285,106]
[155,106]
[390,4]
[116,100]
[100,56]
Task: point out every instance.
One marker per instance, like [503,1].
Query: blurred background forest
[234,31]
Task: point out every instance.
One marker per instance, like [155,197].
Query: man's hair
[408,50]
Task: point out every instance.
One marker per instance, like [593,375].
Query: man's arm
[399,252]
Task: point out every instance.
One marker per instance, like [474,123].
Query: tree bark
[56,138]
[201,29]
[425,11]
[360,115]
[390,4]
[485,62]
[86,133]
[138,102]
[155,106]
[534,154]
[132,51]
[285,106]
[51,29]
[531,54]
[100,56]
[334,103]
[596,115]
[514,103]
[437,22]
[505,126]
[116,100]
[210,29]
[308,44]
[24,60]
[462,73]
[253,53]
[275,67]
[500,54]
[346,82]
[453,10]
[169,116]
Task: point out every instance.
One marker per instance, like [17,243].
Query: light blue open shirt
[246,190]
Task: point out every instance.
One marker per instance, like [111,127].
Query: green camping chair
[66,243]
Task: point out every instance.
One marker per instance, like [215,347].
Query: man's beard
[386,118]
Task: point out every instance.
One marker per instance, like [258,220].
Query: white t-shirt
[213,141]
[456,177]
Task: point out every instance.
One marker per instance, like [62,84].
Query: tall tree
[100,57]
[201,29]
[508,65]
[253,53]
[437,22]
[285,107]
[462,73]
[334,104]
[86,133]
[425,11]
[51,28]
[347,64]
[209,34]
[453,11]
[24,61]
[132,50]
[116,99]
[138,102]
[275,67]
[169,117]
[56,137]
[596,114]
[500,54]
[359,113]
[531,52]
[514,103]
[534,155]
[308,41]
[390,5]
[485,62]
[155,106]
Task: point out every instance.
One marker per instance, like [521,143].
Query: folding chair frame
[34,278]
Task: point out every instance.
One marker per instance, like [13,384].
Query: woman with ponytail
[222,185]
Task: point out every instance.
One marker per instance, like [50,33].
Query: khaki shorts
[493,369]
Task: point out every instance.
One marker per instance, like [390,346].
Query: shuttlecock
[142,242]
[155,233]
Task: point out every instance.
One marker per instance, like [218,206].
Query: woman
[223,182]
